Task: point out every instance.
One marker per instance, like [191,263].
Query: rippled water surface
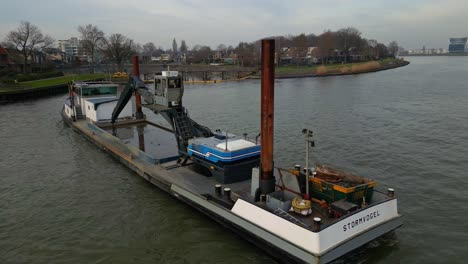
[64,201]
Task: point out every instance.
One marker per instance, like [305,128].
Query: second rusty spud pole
[267,179]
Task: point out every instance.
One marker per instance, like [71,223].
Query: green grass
[388,61]
[38,84]
[61,80]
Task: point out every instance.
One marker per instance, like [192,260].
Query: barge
[300,214]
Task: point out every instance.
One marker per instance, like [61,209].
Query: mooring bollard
[317,224]
[218,189]
[390,192]
[297,167]
[227,193]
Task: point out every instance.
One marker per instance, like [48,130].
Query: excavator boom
[133,84]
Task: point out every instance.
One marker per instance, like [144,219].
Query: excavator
[226,156]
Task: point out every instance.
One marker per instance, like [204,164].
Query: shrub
[371,65]
[7,72]
[321,70]
[37,76]
[345,70]
[8,81]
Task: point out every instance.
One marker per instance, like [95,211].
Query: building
[55,55]
[458,45]
[13,59]
[69,46]
[4,58]
[72,49]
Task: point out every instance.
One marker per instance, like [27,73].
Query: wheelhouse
[168,89]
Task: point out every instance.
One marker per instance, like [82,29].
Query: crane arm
[133,84]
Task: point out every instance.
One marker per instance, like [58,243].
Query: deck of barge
[160,144]
[150,139]
[157,142]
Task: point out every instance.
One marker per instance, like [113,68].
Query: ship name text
[361,220]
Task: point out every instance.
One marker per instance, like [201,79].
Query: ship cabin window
[104,90]
[174,83]
[158,87]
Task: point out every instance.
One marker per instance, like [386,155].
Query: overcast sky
[411,23]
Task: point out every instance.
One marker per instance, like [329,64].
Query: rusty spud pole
[136,73]
[267,180]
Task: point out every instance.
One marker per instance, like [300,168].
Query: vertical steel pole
[72,100]
[141,137]
[226,148]
[136,73]
[267,180]
[307,165]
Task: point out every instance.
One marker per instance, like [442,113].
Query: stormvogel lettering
[361,220]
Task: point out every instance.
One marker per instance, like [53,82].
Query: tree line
[118,48]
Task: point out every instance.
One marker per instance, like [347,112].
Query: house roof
[14,56]
[3,51]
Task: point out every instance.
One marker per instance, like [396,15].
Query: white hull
[305,245]
[267,229]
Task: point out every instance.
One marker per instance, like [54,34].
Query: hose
[301,206]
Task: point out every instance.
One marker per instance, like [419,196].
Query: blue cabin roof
[221,149]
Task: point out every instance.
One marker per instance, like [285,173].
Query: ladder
[78,112]
[183,125]
[285,215]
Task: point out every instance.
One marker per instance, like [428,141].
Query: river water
[62,200]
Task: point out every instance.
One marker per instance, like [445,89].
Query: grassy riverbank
[337,69]
[44,83]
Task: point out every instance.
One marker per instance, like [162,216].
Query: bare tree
[393,48]
[347,38]
[174,46]
[371,52]
[312,40]
[221,47]
[326,44]
[183,47]
[381,50]
[149,49]
[138,49]
[372,43]
[118,48]
[28,39]
[91,40]
[201,54]
[300,41]
[246,54]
